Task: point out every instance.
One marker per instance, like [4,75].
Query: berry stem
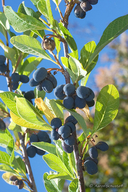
[78,159]
[27,163]
[18,62]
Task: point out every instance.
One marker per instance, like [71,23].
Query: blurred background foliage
[113,164]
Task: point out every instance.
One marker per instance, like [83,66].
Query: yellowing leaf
[43,107]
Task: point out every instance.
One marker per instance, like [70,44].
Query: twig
[27,163]
[18,62]
[78,159]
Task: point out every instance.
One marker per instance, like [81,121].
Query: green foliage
[27,117]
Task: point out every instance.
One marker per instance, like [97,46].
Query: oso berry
[48,44]
[40,152]
[15,77]
[34,138]
[2,125]
[56,123]
[20,184]
[78,11]
[82,92]
[67,148]
[91,167]
[47,86]
[101,145]
[80,103]
[59,92]
[29,95]
[33,83]
[40,74]
[31,151]
[64,131]
[89,158]
[93,2]
[72,126]
[68,102]
[85,6]
[69,89]
[70,140]
[43,136]
[52,79]
[55,135]
[71,119]
[24,79]
[2,59]
[93,153]
[13,178]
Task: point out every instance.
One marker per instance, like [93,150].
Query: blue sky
[83,30]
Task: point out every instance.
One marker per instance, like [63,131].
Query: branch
[27,163]
[78,159]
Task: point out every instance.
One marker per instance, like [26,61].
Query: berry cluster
[65,132]
[40,136]
[91,162]
[3,67]
[83,6]
[43,80]
[16,181]
[2,125]
[73,98]
[16,78]
[48,44]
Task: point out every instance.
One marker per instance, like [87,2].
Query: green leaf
[76,67]
[51,19]
[60,176]
[42,7]
[56,164]
[3,21]
[50,185]
[4,158]
[10,146]
[4,138]
[9,99]
[29,65]
[71,42]
[86,53]
[39,93]
[74,186]
[32,116]
[29,45]
[56,109]
[14,127]
[6,168]
[113,30]
[21,22]
[9,52]
[50,148]
[106,107]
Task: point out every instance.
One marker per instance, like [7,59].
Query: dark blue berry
[3,68]
[90,103]
[24,78]
[93,153]
[15,77]
[82,92]
[40,74]
[68,102]
[64,131]
[102,146]
[70,140]
[56,123]
[55,135]
[43,136]
[71,119]
[69,89]
[29,95]
[33,83]
[78,11]
[15,85]
[2,59]
[31,151]
[93,2]
[53,80]
[40,152]
[72,126]
[67,148]
[80,103]
[2,125]
[85,6]
[91,167]
[34,138]
[59,92]
[47,86]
